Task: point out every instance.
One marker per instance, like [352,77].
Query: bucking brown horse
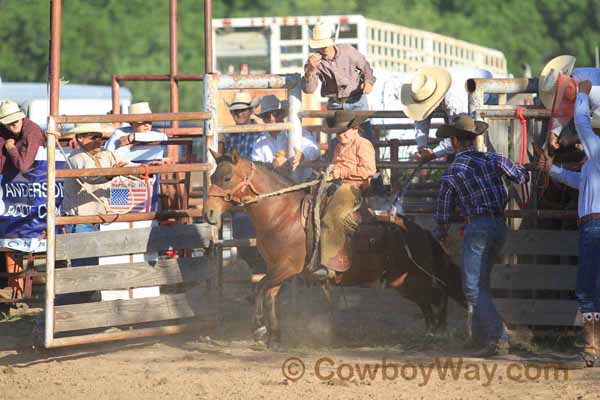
[401,254]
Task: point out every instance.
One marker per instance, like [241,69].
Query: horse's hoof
[275,346]
[260,334]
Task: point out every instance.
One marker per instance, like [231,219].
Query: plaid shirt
[242,142]
[474,183]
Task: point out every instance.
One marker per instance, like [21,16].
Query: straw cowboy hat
[425,92]
[322,35]
[92,127]
[242,101]
[462,126]
[341,121]
[140,108]
[549,77]
[10,112]
[271,103]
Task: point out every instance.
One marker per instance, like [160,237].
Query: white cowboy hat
[91,127]
[10,112]
[322,35]
[549,77]
[596,119]
[242,101]
[425,92]
[140,108]
[271,103]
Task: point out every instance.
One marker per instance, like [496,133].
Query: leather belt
[588,218]
[471,218]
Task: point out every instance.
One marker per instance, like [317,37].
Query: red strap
[523,154]
[146,177]
[523,148]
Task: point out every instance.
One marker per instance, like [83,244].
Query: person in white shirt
[437,89]
[135,142]
[272,147]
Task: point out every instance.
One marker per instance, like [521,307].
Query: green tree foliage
[105,37]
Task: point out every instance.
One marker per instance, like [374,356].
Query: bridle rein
[235,194]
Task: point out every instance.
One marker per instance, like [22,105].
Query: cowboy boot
[597,336]
[590,351]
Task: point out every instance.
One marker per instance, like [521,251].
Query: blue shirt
[588,181]
[473,182]
[242,142]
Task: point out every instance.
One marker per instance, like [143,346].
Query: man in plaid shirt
[242,108]
[473,182]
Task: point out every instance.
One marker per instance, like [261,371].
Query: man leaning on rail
[474,183]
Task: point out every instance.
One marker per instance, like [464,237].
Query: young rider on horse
[351,169]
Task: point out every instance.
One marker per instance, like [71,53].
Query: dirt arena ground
[374,353]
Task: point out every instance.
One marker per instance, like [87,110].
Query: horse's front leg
[274,329]
[260,329]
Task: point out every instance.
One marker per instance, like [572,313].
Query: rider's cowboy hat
[425,92]
[462,126]
[341,122]
[323,35]
[242,101]
[91,127]
[271,103]
[140,108]
[10,112]
[549,77]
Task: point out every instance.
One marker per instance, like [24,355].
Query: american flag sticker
[127,195]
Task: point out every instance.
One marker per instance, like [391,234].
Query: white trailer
[280,45]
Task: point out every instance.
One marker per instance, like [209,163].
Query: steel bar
[258,81]
[538,113]
[255,128]
[317,128]
[141,77]
[501,86]
[294,107]
[55,38]
[208,40]
[152,169]
[188,78]
[403,142]
[192,131]
[387,164]
[362,113]
[129,217]
[182,116]
[51,232]
[173,61]
[116,96]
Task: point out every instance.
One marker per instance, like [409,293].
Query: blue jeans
[81,228]
[587,289]
[484,237]
[361,104]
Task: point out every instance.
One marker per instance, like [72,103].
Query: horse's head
[230,184]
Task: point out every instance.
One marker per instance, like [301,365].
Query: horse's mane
[279,174]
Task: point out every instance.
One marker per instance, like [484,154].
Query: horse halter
[235,194]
